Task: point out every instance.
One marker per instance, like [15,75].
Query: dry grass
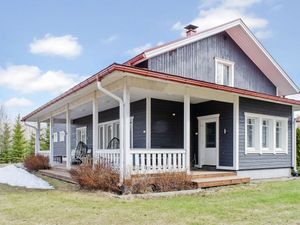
[100,177]
[36,162]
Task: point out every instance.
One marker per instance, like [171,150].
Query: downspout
[121,104]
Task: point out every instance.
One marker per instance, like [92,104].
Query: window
[271,137]
[211,141]
[265,133]
[224,72]
[109,130]
[55,137]
[281,136]
[250,132]
[61,136]
[81,135]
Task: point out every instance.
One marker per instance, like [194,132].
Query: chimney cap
[190,27]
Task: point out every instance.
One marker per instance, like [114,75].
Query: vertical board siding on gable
[166,129]
[137,110]
[196,61]
[225,122]
[264,161]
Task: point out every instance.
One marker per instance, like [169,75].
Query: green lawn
[276,202]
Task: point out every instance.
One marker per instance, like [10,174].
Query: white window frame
[55,137]
[272,135]
[254,149]
[228,63]
[81,129]
[113,124]
[61,136]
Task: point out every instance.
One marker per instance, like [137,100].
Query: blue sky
[48,46]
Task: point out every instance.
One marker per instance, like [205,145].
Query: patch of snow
[15,176]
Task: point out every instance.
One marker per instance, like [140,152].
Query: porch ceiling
[136,94]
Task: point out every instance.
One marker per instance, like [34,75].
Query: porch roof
[163,76]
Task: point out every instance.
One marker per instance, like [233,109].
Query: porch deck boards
[60,173]
[220,181]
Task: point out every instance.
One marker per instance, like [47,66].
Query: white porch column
[51,140]
[236,121]
[68,137]
[95,125]
[37,138]
[294,142]
[187,129]
[148,123]
[127,158]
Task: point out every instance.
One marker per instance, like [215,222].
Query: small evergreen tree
[6,144]
[45,139]
[298,147]
[30,145]
[18,142]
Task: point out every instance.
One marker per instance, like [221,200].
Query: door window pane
[210,135]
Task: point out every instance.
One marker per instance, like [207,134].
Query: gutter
[121,113]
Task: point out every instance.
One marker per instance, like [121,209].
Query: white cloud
[216,12]
[29,79]
[139,49]
[17,102]
[65,46]
[110,39]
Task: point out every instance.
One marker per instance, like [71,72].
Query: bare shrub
[100,177]
[162,182]
[36,162]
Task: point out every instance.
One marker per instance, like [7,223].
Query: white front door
[208,140]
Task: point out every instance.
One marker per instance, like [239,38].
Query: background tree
[45,139]
[18,142]
[30,145]
[6,144]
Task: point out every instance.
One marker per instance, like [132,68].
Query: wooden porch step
[210,174]
[220,181]
[58,174]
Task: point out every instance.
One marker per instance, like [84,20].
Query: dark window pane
[211,135]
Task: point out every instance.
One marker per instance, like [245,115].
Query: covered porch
[144,125]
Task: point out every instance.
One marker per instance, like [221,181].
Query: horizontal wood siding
[225,122]
[59,148]
[196,61]
[264,161]
[166,129]
[137,111]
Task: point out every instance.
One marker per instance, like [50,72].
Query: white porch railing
[158,160]
[146,161]
[45,153]
[111,156]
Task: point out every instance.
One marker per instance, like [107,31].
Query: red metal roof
[164,76]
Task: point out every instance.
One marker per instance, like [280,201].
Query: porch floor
[59,172]
[203,178]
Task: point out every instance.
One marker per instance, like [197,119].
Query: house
[213,99]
